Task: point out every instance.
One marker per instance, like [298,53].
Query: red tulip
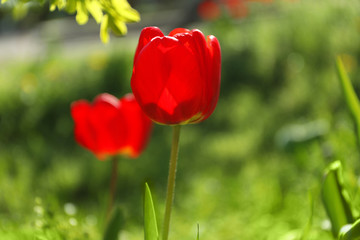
[111,126]
[176,78]
[209,10]
[236,8]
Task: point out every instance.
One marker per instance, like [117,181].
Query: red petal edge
[179,30]
[215,77]
[146,35]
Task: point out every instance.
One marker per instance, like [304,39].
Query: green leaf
[94,7]
[71,6]
[104,34]
[115,224]
[125,11]
[130,15]
[350,232]
[351,98]
[82,13]
[150,225]
[113,15]
[336,198]
[118,26]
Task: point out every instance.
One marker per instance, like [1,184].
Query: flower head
[209,10]
[111,126]
[176,78]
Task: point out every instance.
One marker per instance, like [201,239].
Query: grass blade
[351,98]
[336,199]
[150,224]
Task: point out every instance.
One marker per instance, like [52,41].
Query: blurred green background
[245,173]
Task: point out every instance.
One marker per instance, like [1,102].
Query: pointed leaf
[82,13]
[336,199]
[125,11]
[351,98]
[118,26]
[94,7]
[131,15]
[150,225]
[104,34]
[114,226]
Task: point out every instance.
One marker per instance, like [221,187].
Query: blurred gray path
[74,40]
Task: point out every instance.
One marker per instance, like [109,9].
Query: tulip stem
[113,181]
[171,181]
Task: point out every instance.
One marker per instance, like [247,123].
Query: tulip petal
[196,43]
[107,99]
[199,48]
[176,78]
[146,35]
[214,64]
[166,74]
[111,126]
[138,124]
[178,31]
[83,135]
[108,124]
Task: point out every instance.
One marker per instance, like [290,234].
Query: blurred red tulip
[176,78]
[208,10]
[236,8]
[111,126]
[264,1]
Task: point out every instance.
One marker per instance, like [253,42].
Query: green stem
[114,173]
[171,181]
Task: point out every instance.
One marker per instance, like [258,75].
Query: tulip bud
[176,78]
[111,126]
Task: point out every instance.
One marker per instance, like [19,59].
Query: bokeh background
[253,170]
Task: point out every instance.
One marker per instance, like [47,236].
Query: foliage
[336,198]
[112,15]
[150,224]
[337,201]
[352,100]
